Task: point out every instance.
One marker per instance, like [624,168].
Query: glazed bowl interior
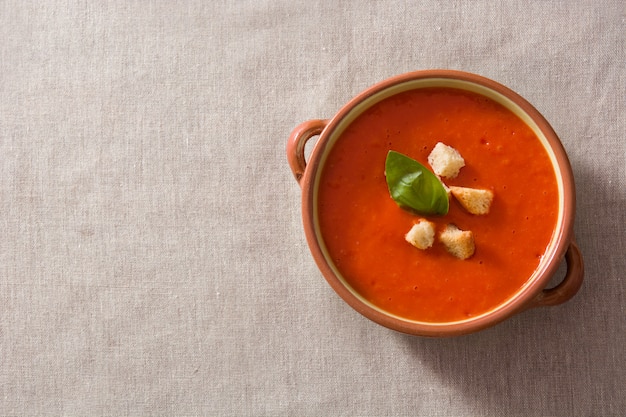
[558,242]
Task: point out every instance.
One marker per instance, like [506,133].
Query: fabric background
[152,255]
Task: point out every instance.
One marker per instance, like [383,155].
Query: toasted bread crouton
[422,234]
[459,243]
[445,160]
[474,200]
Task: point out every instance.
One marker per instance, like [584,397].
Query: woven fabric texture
[152,254]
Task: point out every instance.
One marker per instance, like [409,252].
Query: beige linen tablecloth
[152,255]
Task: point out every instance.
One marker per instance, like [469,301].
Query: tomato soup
[363,229]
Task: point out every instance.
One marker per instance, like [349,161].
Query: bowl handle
[295,145]
[570,284]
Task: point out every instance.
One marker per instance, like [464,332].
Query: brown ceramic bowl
[562,246]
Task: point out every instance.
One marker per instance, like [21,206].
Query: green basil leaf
[412,186]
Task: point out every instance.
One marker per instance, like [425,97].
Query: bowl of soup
[461,135]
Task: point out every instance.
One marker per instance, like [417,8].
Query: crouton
[422,234]
[445,160]
[459,243]
[473,200]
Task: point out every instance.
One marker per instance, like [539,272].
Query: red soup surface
[364,229]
